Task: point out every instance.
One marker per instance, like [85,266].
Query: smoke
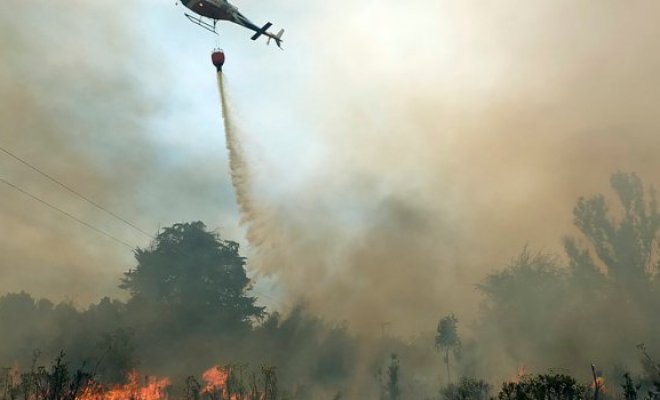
[82,99]
[441,150]
[406,159]
[437,161]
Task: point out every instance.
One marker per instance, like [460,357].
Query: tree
[393,378]
[117,355]
[195,275]
[624,247]
[539,310]
[521,306]
[447,340]
[392,386]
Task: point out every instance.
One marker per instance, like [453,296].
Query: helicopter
[209,12]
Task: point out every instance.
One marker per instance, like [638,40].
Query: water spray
[239,170]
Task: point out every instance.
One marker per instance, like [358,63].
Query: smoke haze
[449,144]
[442,137]
[75,103]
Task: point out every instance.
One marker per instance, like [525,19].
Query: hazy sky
[399,150]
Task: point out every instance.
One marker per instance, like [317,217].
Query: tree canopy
[190,270]
[539,303]
[447,339]
[625,243]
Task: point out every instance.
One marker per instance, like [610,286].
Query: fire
[600,381]
[153,389]
[218,384]
[216,378]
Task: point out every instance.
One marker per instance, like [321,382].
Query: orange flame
[216,378]
[153,389]
[600,381]
[215,388]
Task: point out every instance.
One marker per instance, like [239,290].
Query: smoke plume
[437,161]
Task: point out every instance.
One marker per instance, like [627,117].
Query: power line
[88,225]
[76,193]
[80,221]
[85,198]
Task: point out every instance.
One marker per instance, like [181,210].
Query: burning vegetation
[545,319]
[59,383]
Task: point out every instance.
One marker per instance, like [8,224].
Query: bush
[543,387]
[466,389]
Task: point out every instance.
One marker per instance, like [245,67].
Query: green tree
[521,304]
[625,243]
[195,276]
[447,340]
[619,266]
[117,355]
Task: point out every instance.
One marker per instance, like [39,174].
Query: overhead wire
[81,196]
[53,207]
[76,193]
[90,226]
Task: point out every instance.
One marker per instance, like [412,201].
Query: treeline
[189,307]
[595,303]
